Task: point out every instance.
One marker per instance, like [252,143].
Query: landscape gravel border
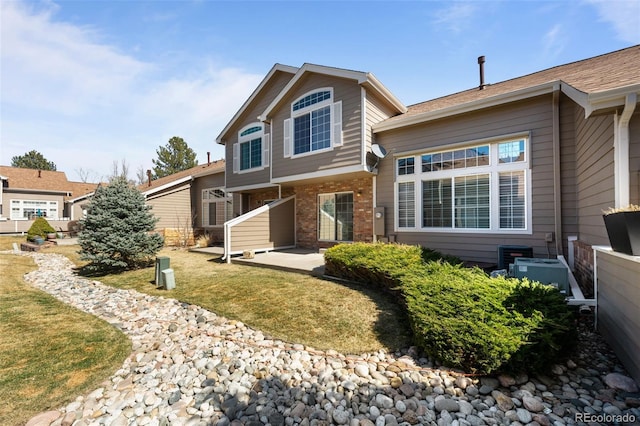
[190,366]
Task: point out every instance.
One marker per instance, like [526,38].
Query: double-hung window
[217,207]
[315,124]
[483,187]
[251,152]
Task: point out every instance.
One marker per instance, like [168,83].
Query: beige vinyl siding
[9,195]
[534,116]
[260,103]
[78,207]
[349,154]
[274,228]
[568,179]
[594,174]
[210,181]
[377,111]
[618,301]
[172,207]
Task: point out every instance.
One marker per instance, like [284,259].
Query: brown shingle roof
[44,180]
[32,179]
[78,189]
[201,169]
[609,71]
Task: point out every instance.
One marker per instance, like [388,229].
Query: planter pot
[51,236]
[623,229]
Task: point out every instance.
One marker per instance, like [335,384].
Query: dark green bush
[382,265]
[555,334]
[39,228]
[460,316]
[429,255]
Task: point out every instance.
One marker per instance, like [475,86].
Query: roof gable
[367,80]
[277,68]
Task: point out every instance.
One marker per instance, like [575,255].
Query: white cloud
[554,42]
[455,17]
[59,67]
[624,15]
[84,103]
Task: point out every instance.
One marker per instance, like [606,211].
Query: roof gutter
[621,150]
[167,185]
[610,98]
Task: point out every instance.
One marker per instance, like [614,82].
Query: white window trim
[20,203]
[264,143]
[335,136]
[493,169]
[206,201]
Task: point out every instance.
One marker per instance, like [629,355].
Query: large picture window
[335,217]
[476,188]
[217,207]
[315,124]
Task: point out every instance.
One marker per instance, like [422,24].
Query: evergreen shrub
[460,316]
[117,233]
[39,228]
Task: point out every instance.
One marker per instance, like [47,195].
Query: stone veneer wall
[307,210]
[583,267]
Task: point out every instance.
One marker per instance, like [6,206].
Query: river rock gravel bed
[190,366]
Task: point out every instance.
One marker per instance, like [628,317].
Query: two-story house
[530,161]
[304,138]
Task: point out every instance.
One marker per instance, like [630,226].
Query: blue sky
[90,83]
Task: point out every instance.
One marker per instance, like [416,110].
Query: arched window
[315,123]
[250,153]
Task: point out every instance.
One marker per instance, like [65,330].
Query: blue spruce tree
[116,232]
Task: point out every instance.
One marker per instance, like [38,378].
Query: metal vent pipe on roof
[481,63]
[149,176]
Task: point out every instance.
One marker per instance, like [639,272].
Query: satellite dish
[378,151]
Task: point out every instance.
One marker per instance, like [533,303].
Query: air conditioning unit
[507,254]
[545,271]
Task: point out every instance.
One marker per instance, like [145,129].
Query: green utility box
[162,263]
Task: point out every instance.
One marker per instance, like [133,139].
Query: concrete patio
[293,260]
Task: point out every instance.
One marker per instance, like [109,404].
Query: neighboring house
[304,138]
[530,162]
[190,201]
[28,193]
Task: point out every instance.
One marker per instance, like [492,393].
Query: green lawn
[293,307]
[49,352]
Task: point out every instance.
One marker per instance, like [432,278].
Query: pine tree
[174,157]
[33,160]
[116,232]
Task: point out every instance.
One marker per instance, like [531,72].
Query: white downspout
[621,151]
